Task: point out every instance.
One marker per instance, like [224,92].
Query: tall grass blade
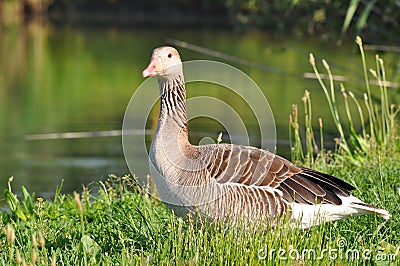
[351,10]
[362,20]
[362,121]
[369,98]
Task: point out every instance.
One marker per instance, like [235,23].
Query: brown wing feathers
[310,187]
[338,185]
[250,166]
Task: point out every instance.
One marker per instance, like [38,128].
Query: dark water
[56,79]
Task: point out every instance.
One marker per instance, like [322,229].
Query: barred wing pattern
[272,180]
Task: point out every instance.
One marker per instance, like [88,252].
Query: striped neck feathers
[173,100]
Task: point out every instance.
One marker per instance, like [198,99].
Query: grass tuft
[378,127]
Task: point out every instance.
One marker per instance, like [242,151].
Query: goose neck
[173,102]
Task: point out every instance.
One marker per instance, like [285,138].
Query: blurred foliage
[373,19]
[309,17]
[157,6]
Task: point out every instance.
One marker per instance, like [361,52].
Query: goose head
[165,63]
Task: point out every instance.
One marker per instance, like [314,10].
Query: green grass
[118,223]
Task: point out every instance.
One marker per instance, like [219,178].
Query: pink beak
[151,69]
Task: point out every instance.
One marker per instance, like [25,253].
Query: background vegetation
[376,20]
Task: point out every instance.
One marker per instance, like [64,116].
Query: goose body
[228,181]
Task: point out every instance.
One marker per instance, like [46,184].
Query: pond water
[59,79]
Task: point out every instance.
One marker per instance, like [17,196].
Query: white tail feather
[312,215]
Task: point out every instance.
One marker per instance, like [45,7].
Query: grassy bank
[119,224]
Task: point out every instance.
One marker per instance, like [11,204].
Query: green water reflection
[80,79]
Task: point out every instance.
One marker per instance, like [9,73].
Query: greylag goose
[228,181]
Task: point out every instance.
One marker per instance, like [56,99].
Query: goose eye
[169,55]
